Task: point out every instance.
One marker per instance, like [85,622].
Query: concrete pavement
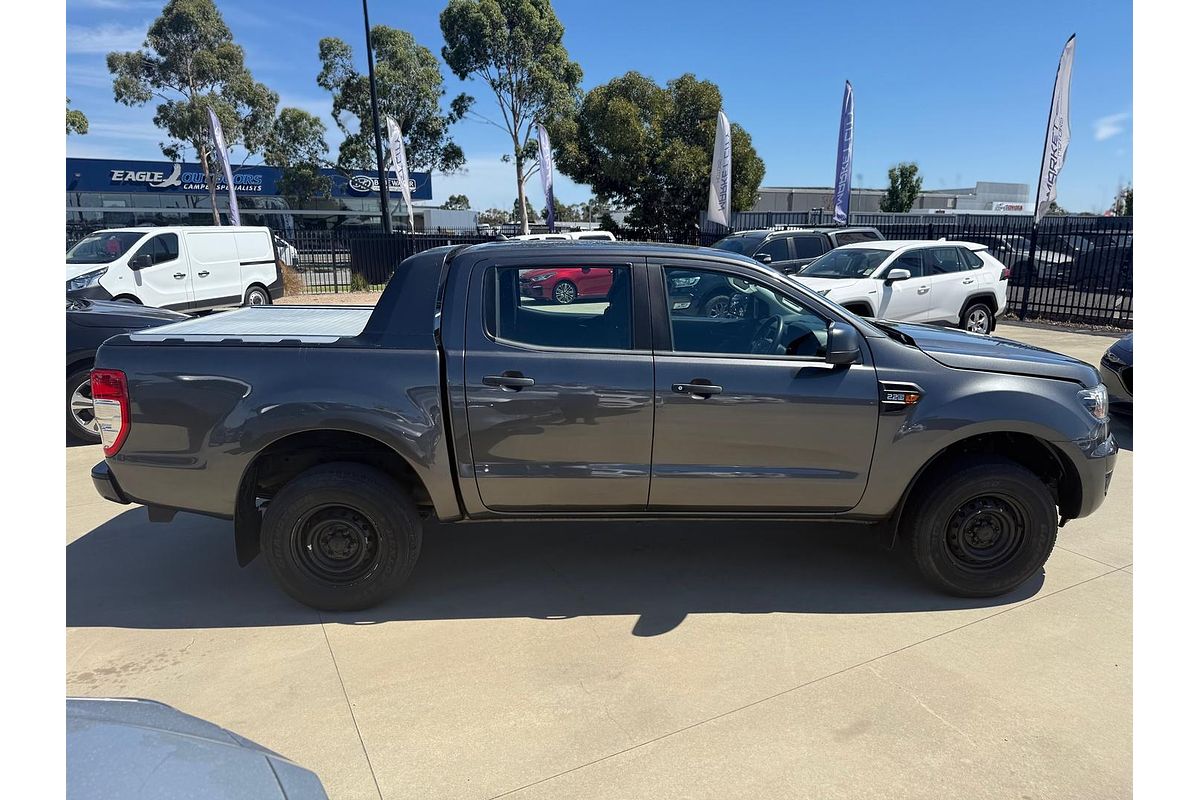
[635,660]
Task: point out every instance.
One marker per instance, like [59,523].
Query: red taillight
[110,405]
[1006,274]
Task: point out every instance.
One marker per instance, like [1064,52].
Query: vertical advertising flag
[218,137]
[546,169]
[720,182]
[400,166]
[1058,132]
[845,159]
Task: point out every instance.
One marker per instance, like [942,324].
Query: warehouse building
[985,197]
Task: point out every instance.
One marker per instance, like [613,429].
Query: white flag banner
[1058,132]
[400,166]
[720,184]
[218,137]
[546,168]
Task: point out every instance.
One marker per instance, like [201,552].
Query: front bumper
[1118,379]
[534,291]
[1095,462]
[106,484]
[96,292]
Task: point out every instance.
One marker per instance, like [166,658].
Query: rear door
[559,398]
[216,271]
[167,281]
[746,424]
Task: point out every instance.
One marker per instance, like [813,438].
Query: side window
[808,246]
[850,237]
[166,248]
[722,314]
[941,260]
[777,249]
[147,249]
[912,262]
[970,259]
[566,308]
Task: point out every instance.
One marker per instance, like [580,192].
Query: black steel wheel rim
[986,533]
[336,545]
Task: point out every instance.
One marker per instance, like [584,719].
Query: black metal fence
[1068,269]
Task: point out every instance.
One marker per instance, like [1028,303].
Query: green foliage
[904,184]
[1055,210]
[650,148]
[76,121]
[516,210]
[359,283]
[190,63]
[410,87]
[457,202]
[297,145]
[563,212]
[494,216]
[515,48]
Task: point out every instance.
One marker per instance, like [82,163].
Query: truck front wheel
[341,537]
[980,526]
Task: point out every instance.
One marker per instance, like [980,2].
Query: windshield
[103,248]
[746,245]
[852,263]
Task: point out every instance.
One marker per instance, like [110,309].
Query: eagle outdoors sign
[118,175]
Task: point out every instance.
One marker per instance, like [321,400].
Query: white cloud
[1110,126]
[104,38]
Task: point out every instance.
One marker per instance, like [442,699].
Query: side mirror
[141,261]
[586,270]
[842,344]
[763,257]
[897,274]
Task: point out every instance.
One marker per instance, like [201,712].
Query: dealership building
[984,197]
[111,193]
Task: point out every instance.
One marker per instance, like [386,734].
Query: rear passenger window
[941,260]
[567,308]
[808,246]
[970,259]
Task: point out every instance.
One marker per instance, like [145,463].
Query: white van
[185,268]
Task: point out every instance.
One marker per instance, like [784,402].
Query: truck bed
[266,324]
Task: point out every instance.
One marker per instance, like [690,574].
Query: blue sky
[962,88]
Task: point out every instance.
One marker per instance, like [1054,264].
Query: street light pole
[383,179]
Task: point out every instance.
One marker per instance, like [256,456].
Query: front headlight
[544,276]
[86,280]
[685,283]
[1095,400]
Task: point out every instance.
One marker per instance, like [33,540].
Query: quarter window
[566,308]
[970,259]
[723,314]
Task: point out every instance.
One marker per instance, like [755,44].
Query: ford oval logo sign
[363,183]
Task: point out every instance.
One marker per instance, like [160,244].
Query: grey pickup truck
[327,434]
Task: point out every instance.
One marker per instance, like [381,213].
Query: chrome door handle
[922,290]
[203,274]
[180,275]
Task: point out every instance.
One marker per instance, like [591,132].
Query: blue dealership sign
[120,175]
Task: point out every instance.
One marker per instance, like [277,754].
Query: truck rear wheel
[980,526]
[341,537]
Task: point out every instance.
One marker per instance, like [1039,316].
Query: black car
[89,323]
[789,250]
[1117,372]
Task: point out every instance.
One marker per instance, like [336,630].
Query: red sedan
[566,285]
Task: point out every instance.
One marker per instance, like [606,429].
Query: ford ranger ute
[326,435]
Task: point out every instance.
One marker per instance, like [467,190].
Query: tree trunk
[521,194]
[212,184]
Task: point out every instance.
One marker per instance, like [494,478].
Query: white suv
[913,281]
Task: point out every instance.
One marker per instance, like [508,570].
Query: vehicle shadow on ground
[130,573]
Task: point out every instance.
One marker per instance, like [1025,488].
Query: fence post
[1030,273]
[333,259]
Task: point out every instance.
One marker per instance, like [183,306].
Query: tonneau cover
[308,324]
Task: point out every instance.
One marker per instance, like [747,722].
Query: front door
[749,415]
[167,281]
[907,300]
[559,398]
